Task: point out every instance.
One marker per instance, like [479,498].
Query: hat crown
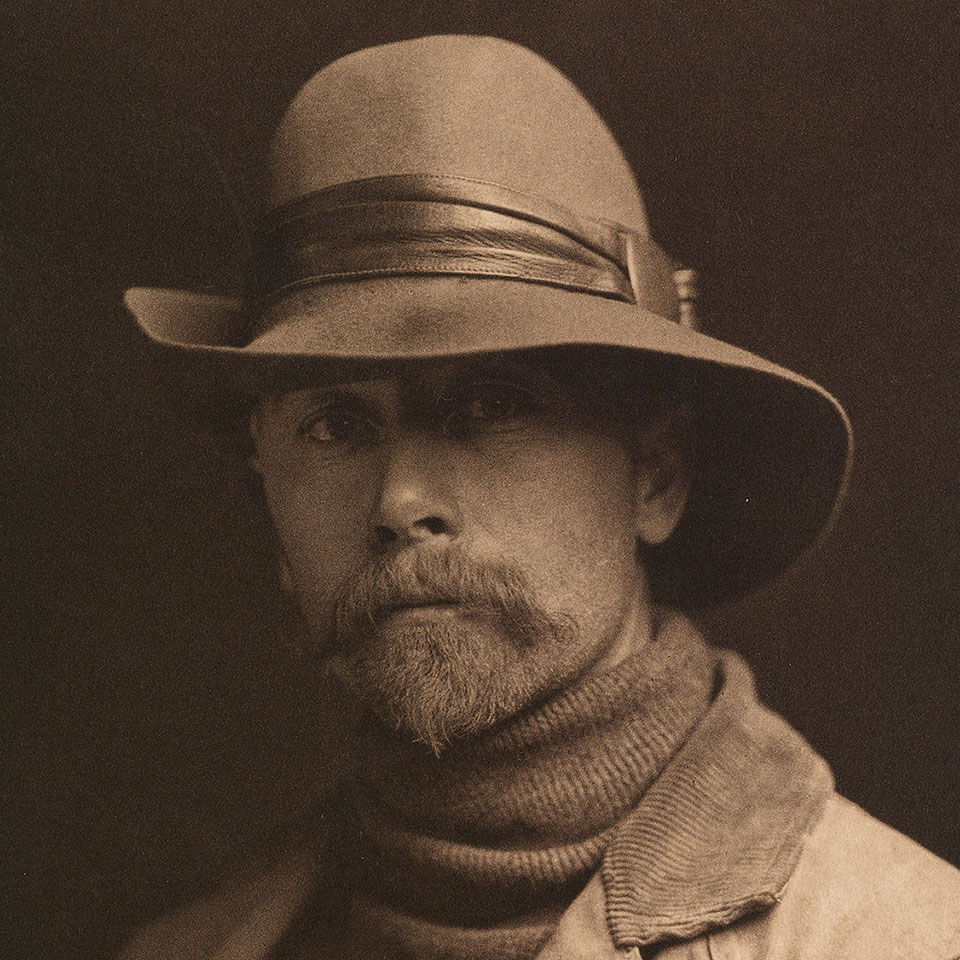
[474,107]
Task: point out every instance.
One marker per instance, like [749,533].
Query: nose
[416,501]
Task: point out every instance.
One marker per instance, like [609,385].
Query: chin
[437,677]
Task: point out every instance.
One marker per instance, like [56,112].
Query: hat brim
[774,448]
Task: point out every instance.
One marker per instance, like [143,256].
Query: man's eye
[497,405]
[339,423]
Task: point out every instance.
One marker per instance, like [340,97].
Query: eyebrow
[414,387]
[297,400]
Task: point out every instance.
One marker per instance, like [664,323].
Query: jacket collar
[720,832]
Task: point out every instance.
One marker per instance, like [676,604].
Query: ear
[663,474]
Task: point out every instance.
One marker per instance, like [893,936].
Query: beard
[439,646]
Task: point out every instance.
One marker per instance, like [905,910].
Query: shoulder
[240,920]
[860,890]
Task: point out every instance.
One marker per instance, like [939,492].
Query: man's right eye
[340,423]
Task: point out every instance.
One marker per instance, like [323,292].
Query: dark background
[801,154]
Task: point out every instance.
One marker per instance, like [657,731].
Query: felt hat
[457,195]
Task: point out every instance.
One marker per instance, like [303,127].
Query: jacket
[741,850]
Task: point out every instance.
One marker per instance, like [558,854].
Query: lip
[425,608]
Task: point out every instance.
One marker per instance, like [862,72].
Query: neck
[634,635]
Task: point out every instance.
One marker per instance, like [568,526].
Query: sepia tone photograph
[482,481]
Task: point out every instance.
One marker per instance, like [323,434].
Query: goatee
[440,646]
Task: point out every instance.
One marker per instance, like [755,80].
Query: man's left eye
[340,422]
[493,404]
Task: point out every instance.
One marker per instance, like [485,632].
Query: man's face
[461,535]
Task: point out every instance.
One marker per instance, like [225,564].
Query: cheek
[322,526]
[567,516]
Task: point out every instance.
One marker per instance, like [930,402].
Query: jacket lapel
[720,832]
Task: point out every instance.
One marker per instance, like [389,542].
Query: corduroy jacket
[741,850]
[860,891]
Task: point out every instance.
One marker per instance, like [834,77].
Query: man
[499,459]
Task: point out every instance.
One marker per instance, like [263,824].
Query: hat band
[421,224]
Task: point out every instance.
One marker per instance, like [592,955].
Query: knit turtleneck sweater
[474,855]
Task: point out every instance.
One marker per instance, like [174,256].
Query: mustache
[497,589]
